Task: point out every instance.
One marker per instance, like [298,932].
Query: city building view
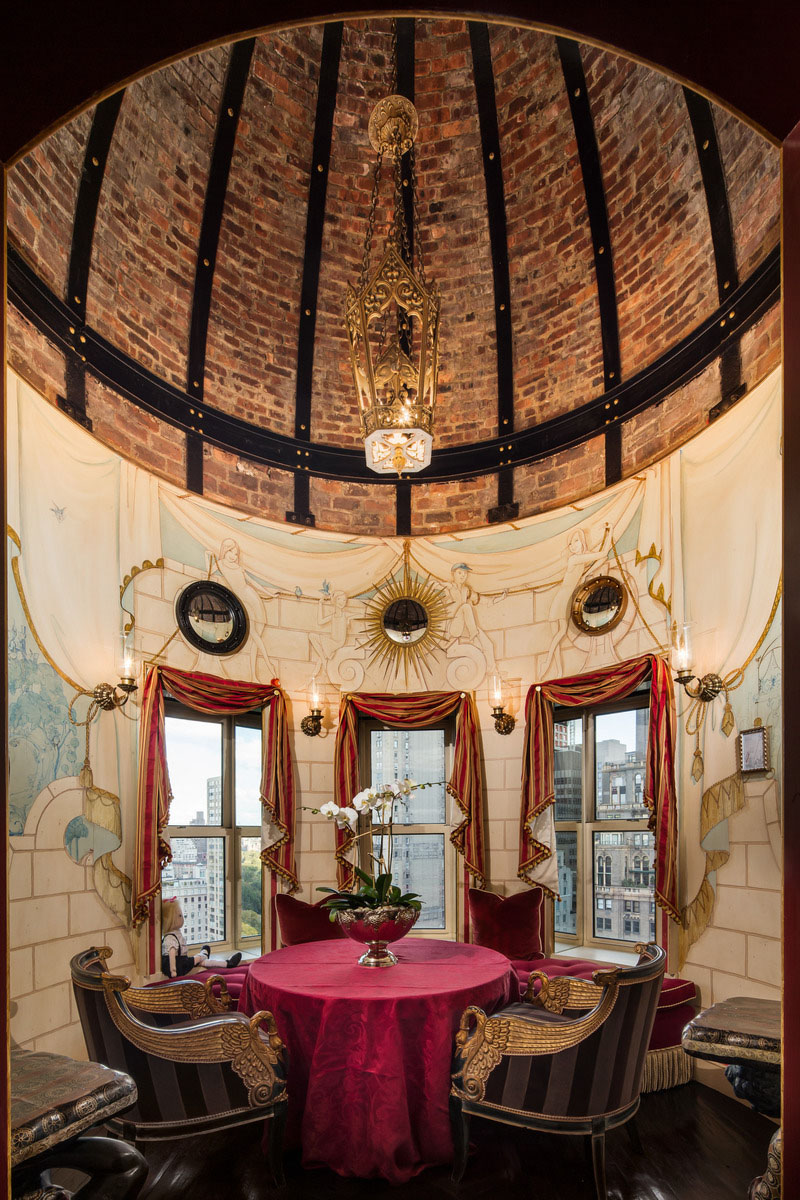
[196,874]
[623,905]
[200,870]
[418,859]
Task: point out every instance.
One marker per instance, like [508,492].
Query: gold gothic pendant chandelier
[392,317]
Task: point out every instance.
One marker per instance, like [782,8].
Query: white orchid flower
[330,810]
[407,786]
[383,811]
[363,800]
[347,818]
[394,787]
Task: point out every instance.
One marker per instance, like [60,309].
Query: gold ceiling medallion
[392,316]
[405,620]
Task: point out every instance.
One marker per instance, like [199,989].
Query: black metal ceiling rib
[749,302]
[315,221]
[589,156]
[406,58]
[498,240]
[214,204]
[713,176]
[712,173]
[80,257]
[403,515]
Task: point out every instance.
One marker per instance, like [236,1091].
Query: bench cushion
[674,992]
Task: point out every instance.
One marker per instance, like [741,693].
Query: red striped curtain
[224,697]
[415,711]
[612,683]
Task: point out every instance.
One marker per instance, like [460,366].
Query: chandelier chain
[394,56]
[399,230]
[373,204]
[412,160]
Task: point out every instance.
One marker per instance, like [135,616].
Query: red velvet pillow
[511,924]
[301,922]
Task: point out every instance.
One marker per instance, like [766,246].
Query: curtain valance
[611,683]
[415,711]
[224,697]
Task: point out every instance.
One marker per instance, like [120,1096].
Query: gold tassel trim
[667,1068]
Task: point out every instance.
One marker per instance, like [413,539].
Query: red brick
[42,190]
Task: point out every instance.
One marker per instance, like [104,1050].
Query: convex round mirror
[211,617]
[598,605]
[405,620]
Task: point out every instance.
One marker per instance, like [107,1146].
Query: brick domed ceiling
[605,243]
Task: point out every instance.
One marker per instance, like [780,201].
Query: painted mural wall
[96,543]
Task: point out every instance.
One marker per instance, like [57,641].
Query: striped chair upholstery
[568,1058]
[195,1075]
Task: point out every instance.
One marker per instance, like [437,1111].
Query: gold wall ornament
[392,317]
[599,604]
[406,620]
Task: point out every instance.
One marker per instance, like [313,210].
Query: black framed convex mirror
[211,617]
[599,604]
[405,620]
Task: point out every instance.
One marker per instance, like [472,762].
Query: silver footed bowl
[377,927]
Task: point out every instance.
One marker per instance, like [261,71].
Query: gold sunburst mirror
[405,620]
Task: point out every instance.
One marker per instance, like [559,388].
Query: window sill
[624,958]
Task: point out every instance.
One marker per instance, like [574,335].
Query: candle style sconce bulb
[708,686]
[312,724]
[503,721]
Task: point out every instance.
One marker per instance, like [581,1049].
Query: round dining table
[369,1049]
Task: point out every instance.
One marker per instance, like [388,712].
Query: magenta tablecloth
[370,1049]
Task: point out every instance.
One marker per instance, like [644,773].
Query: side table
[745,1033]
[54,1100]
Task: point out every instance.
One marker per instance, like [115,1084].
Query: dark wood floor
[698,1145]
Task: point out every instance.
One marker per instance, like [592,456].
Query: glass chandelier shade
[392,321]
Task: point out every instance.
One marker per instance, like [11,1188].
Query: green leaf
[382,885]
[362,875]
[409,898]
[333,891]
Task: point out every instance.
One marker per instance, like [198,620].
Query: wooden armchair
[213,1070]
[568,1059]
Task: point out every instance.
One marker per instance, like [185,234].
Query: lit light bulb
[683,650]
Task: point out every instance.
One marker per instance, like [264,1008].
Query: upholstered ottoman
[667,1065]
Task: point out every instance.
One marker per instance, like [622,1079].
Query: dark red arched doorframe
[58,57]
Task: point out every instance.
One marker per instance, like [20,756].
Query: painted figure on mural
[579,558]
[332,617]
[235,576]
[463,624]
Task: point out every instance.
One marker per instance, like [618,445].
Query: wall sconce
[708,686]
[706,689]
[503,721]
[106,697]
[312,724]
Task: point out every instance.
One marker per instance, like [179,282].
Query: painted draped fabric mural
[87,528]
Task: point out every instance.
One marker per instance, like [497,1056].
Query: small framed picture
[753,746]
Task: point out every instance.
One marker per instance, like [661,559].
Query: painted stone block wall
[505,595]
